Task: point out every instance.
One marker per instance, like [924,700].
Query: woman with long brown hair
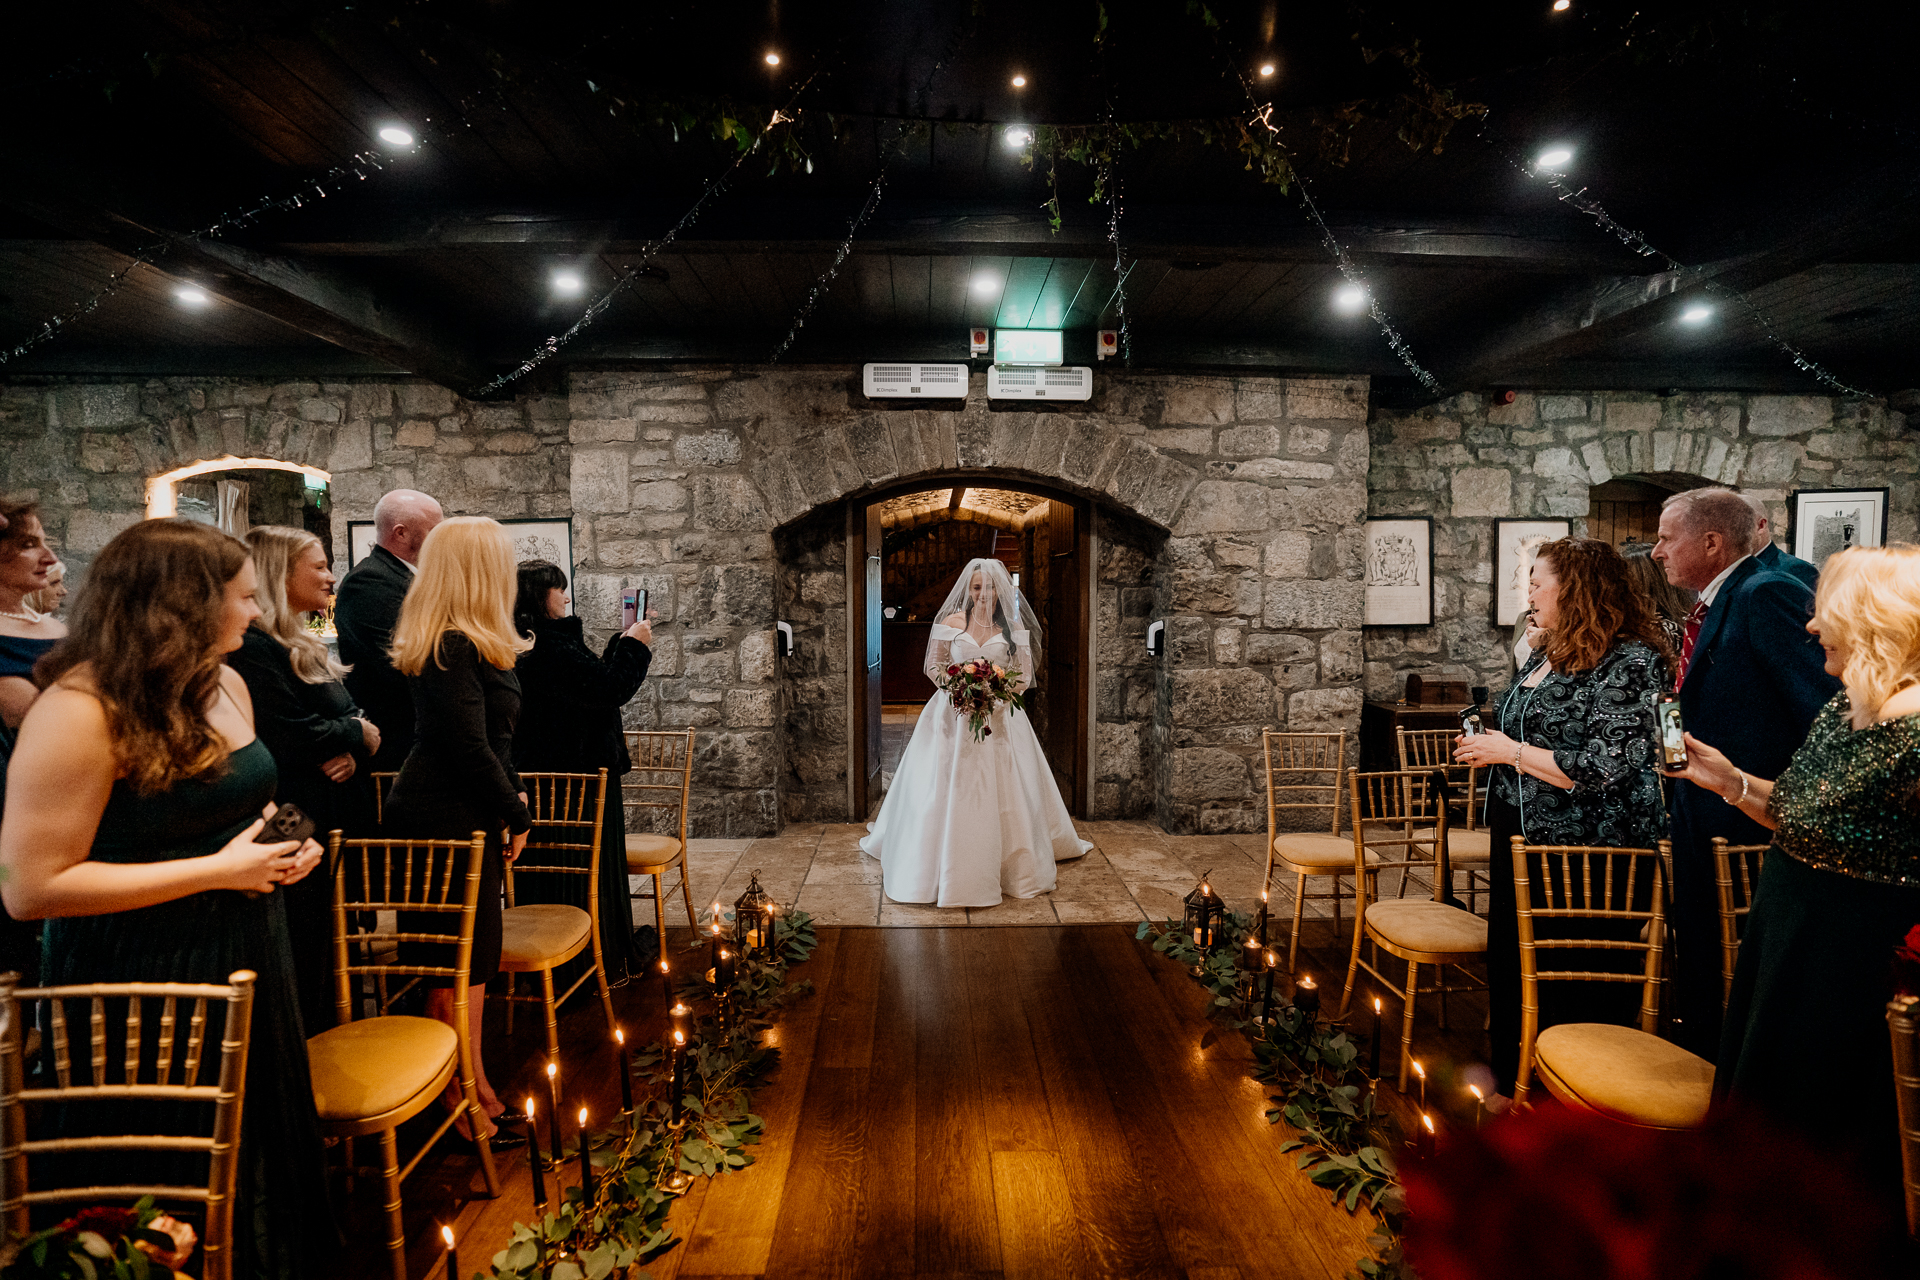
[1572,751]
[26,632]
[134,797]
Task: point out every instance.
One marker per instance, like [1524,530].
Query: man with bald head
[1768,554]
[1750,682]
[366,608]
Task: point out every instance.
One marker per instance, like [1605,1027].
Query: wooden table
[1379,750]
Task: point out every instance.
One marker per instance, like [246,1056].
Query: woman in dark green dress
[1840,886]
[134,796]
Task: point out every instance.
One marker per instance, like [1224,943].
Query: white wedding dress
[966,823]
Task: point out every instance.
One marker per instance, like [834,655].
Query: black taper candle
[1373,1050]
[553,1126]
[586,1162]
[626,1071]
[533,1156]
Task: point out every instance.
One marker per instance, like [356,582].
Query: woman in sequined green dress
[1840,886]
[133,801]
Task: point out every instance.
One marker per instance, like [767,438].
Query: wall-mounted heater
[1060,382]
[919,381]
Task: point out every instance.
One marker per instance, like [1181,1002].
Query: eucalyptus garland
[642,1168]
[1342,1141]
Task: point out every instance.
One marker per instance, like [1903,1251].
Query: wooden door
[1065,642]
[871,548]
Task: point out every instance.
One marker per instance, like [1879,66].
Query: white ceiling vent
[1071,382]
[928,381]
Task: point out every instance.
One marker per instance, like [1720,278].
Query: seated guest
[48,599]
[134,798]
[1571,757]
[26,633]
[570,723]
[317,736]
[456,645]
[365,613]
[1840,884]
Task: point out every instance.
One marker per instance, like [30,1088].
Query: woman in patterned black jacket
[1572,756]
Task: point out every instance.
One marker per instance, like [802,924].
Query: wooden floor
[968,1101]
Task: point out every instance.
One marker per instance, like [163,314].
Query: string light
[1018,136]
[192,295]
[773,59]
[1266,68]
[397,136]
[1019,82]
[1696,314]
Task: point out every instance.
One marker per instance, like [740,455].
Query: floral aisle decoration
[977,687]
[640,1169]
[104,1243]
[1342,1141]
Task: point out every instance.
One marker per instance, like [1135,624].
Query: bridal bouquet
[978,687]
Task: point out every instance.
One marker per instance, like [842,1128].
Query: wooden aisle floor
[950,1102]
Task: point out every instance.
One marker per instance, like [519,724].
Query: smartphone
[287,823]
[1470,722]
[633,606]
[1673,742]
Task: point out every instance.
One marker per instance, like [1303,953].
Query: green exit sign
[1026,346]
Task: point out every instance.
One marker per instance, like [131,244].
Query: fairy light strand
[1634,240]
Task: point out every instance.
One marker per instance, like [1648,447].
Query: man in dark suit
[1771,556]
[1750,683]
[366,607]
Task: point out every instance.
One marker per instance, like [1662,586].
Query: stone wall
[1468,460]
[1227,506]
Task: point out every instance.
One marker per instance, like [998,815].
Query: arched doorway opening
[909,542]
[1627,508]
[235,494]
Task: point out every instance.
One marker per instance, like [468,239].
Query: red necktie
[1695,617]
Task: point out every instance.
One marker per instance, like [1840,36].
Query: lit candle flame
[1376,1006]
[1419,1070]
[679,1038]
[551,1069]
[529,1108]
[1478,1096]
[725,954]
[446,1233]
[1306,980]
[1263,895]
[1273,960]
[620,1037]
[1427,1120]
[583,1117]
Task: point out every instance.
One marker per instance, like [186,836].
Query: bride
[966,822]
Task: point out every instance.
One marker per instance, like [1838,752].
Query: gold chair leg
[600,974]
[1299,907]
[1353,966]
[396,1232]
[513,989]
[1406,1024]
[477,1125]
[1336,906]
[686,894]
[553,1019]
[660,910]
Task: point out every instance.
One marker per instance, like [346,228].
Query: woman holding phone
[135,804]
[456,645]
[570,705]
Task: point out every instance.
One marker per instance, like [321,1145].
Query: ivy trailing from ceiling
[641,1169]
[1342,1140]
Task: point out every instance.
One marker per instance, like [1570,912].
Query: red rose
[953,671]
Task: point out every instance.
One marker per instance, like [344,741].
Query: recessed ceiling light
[773,59]
[1019,82]
[1698,313]
[985,284]
[396,136]
[192,295]
[1553,159]
[1350,299]
[1266,68]
[567,283]
[1018,136]
[1561,6]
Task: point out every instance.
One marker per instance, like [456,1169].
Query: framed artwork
[543,538]
[359,541]
[1828,520]
[1514,543]
[1399,572]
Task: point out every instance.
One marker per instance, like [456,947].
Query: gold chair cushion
[1462,846]
[1420,928]
[540,935]
[1625,1074]
[1315,854]
[388,1067]
[647,851]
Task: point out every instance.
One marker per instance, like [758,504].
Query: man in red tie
[1750,682]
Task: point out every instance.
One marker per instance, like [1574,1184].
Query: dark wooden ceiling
[1772,148]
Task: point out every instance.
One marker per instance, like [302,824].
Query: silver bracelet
[1517,749]
[1746,784]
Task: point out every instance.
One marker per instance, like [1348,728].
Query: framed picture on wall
[1828,520]
[543,538]
[359,541]
[1399,572]
[1514,543]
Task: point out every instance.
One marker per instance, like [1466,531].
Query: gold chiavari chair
[1307,766]
[1734,867]
[372,1075]
[1424,931]
[1627,1074]
[1903,1024]
[172,1048]
[539,937]
[1469,846]
[661,781]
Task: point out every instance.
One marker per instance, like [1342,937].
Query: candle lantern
[1306,998]
[753,913]
[1205,913]
[1246,984]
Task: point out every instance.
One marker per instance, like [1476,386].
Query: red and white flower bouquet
[977,687]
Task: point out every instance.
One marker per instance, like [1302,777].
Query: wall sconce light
[1156,639]
[787,644]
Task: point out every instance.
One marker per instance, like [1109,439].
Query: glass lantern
[1205,914]
[753,913]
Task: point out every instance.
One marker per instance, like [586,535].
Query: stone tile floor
[1136,871]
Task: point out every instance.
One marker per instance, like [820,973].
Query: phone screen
[1673,746]
[633,606]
